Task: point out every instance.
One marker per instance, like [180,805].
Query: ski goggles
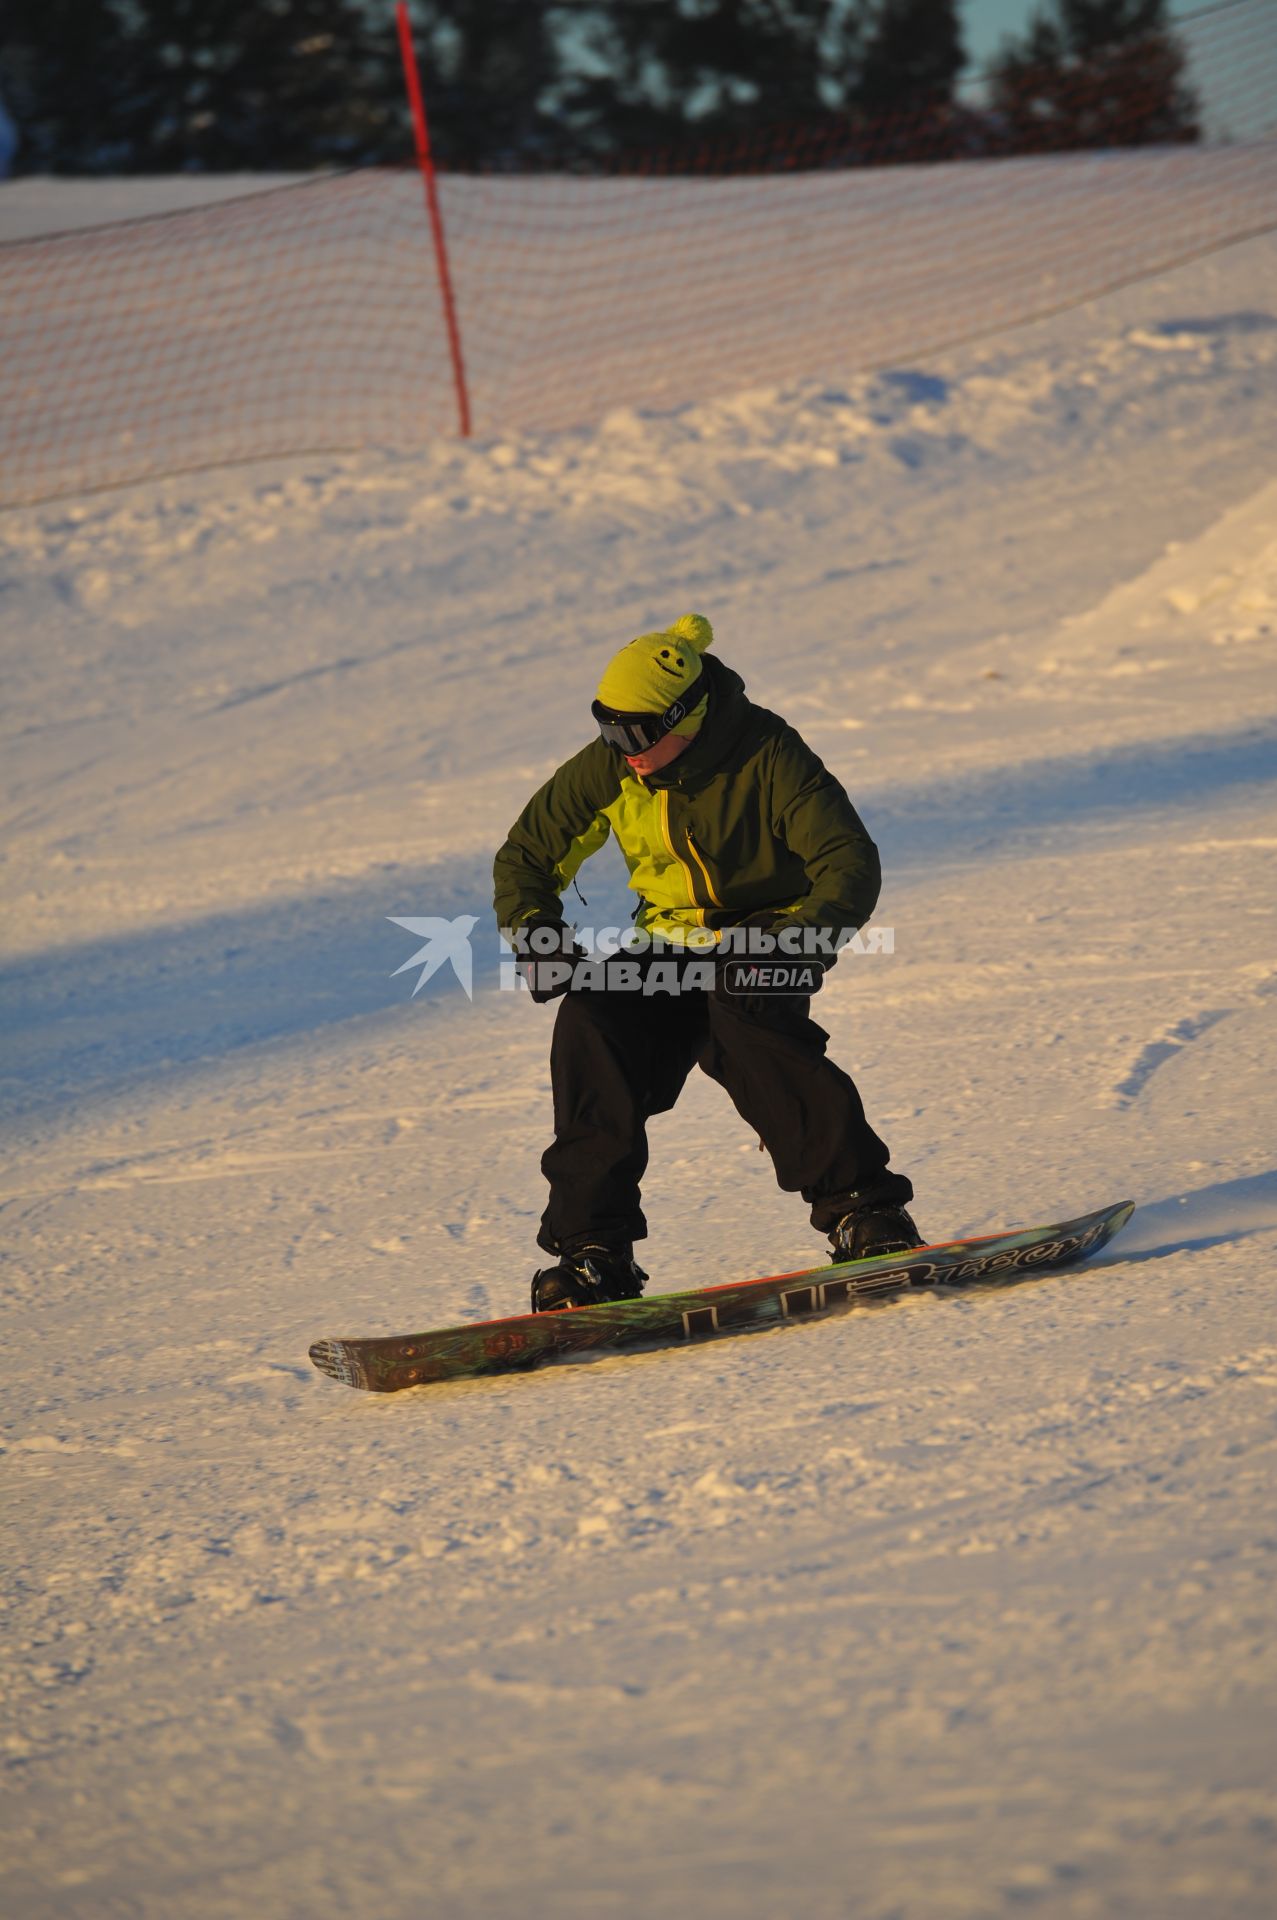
[634,733]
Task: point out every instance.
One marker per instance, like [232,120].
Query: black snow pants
[619,1057]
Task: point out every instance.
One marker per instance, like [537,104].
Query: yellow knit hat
[654,669]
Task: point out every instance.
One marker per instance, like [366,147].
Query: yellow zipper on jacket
[690,877]
[709,884]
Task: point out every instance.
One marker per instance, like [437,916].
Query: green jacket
[746,818]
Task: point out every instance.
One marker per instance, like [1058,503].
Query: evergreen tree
[666,72]
[913,55]
[488,70]
[1094,73]
[1090,27]
[172,85]
[184,85]
[262,83]
[58,61]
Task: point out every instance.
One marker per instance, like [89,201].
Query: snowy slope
[953,1608]
[38,204]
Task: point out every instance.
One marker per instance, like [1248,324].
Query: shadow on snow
[99,1021]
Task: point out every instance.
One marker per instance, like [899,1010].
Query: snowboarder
[726,819]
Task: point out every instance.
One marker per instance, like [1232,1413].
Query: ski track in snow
[953,1608]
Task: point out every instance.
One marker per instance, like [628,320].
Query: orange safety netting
[309,317]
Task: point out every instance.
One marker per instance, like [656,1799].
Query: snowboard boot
[586,1277]
[869,1230]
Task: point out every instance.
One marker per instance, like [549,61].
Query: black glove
[547,967]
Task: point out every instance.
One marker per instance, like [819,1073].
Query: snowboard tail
[385,1364]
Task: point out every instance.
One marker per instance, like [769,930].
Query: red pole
[425,161]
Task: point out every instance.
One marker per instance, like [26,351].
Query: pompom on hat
[654,669]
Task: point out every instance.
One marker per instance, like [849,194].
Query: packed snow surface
[955,1608]
[40,204]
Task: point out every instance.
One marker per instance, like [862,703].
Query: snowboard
[386,1363]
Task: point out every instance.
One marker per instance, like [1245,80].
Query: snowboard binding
[870,1230]
[586,1278]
